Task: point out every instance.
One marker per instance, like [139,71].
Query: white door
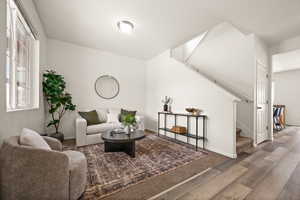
[261,103]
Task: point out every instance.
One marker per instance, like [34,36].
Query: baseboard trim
[151,131]
[179,184]
[230,155]
[70,138]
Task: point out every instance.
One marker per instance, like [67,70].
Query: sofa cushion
[102,114]
[31,138]
[124,113]
[101,128]
[90,117]
[113,117]
[114,110]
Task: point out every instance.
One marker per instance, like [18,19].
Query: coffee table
[121,142]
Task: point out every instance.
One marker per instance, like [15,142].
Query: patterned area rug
[111,172]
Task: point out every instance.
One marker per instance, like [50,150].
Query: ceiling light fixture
[125,27]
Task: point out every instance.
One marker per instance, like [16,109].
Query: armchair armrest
[81,127]
[29,173]
[53,143]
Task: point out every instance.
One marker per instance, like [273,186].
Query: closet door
[261,103]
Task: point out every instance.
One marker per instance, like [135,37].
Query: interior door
[261,103]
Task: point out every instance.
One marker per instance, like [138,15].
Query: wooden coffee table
[121,142]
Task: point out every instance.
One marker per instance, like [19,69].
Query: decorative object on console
[179,129]
[193,111]
[59,101]
[167,104]
[107,87]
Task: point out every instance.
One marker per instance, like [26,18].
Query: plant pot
[58,136]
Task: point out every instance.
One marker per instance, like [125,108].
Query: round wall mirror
[107,87]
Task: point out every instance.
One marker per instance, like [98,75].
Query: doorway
[286,78]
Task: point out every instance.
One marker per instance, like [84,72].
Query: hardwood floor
[272,171]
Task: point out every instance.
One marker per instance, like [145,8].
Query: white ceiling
[286,61]
[162,24]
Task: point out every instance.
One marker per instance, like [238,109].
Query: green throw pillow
[91,117]
[125,112]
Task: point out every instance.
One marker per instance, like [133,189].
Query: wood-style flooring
[272,171]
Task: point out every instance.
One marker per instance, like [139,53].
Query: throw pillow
[31,138]
[125,112]
[112,117]
[102,114]
[91,117]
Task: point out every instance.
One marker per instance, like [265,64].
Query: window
[22,61]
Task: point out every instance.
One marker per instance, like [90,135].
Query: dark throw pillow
[91,117]
[125,112]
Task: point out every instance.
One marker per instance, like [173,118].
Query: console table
[197,136]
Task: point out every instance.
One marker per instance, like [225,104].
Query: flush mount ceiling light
[125,27]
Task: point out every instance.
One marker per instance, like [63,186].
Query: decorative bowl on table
[193,111]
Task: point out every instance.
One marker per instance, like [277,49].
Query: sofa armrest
[140,122]
[54,144]
[81,127]
[28,173]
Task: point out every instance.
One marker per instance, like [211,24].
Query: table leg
[129,148]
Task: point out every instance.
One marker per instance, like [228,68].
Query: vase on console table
[166,108]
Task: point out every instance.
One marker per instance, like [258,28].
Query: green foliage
[128,119]
[58,100]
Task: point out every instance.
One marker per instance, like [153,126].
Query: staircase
[243,144]
[189,54]
[221,67]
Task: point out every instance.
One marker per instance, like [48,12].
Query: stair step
[243,144]
[238,132]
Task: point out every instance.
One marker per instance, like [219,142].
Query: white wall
[286,46]
[287,93]
[81,67]
[12,123]
[167,77]
[227,56]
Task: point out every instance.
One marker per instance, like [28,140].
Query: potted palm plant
[58,100]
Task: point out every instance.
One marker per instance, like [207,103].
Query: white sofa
[86,135]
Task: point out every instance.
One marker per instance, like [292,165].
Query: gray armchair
[30,173]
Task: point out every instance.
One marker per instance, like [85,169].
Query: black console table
[188,135]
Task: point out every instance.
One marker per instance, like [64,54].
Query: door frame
[269,94]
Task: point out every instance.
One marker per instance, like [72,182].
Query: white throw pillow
[114,110]
[102,114]
[31,138]
[112,117]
